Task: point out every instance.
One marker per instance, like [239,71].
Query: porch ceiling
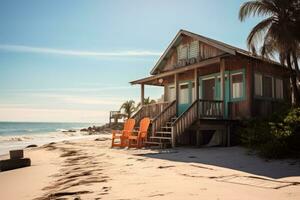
[153,80]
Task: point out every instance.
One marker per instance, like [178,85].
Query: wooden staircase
[163,136]
[167,128]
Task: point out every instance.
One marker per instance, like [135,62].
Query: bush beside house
[275,137]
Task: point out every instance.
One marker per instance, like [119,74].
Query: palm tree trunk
[294,81]
[295,59]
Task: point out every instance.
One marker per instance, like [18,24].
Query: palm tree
[277,34]
[149,101]
[128,108]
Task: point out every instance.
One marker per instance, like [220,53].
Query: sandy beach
[89,169]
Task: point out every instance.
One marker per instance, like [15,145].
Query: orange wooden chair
[141,136]
[122,135]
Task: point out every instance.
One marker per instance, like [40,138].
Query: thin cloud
[45,50]
[68,90]
[52,115]
[101,88]
[69,99]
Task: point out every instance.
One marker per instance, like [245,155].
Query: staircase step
[163,132]
[159,144]
[151,142]
[166,127]
[169,123]
[163,138]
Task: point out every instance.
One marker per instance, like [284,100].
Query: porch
[185,102]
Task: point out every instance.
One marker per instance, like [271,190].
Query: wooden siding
[205,52]
[253,106]
[276,72]
[210,69]
[240,109]
[262,106]
[250,106]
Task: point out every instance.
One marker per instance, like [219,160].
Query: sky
[72,61]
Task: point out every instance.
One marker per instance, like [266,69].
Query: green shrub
[254,132]
[275,137]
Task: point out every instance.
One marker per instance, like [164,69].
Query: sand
[88,169]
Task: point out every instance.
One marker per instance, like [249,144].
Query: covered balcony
[182,85]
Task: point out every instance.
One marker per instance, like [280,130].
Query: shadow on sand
[236,158]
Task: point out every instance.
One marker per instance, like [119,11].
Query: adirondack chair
[122,135]
[141,136]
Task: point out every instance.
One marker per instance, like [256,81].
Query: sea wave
[19,142]
[26,137]
[61,129]
[14,135]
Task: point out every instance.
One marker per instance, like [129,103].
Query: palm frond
[257,8]
[258,32]
[282,58]
[268,48]
[128,108]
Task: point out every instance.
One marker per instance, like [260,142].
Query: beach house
[209,85]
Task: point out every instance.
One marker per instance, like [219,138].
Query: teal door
[186,96]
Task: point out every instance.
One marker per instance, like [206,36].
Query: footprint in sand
[163,167]
[78,169]
[140,159]
[160,194]
[202,167]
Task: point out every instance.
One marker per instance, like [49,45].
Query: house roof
[217,44]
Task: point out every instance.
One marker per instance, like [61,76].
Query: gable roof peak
[174,42]
[215,43]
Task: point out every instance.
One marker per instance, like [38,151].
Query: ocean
[16,135]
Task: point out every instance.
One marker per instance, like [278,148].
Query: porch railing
[184,121]
[150,110]
[163,117]
[199,109]
[210,109]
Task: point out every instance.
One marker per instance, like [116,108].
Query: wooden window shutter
[193,49]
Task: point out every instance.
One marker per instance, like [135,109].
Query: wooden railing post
[151,110]
[142,94]
[173,136]
[210,108]
[185,120]
[176,89]
[196,80]
[163,117]
[222,75]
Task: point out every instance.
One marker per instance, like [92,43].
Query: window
[208,85]
[171,93]
[267,86]
[193,49]
[193,92]
[237,85]
[184,94]
[188,51]
[279,88]
[258,84]
[182,52]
